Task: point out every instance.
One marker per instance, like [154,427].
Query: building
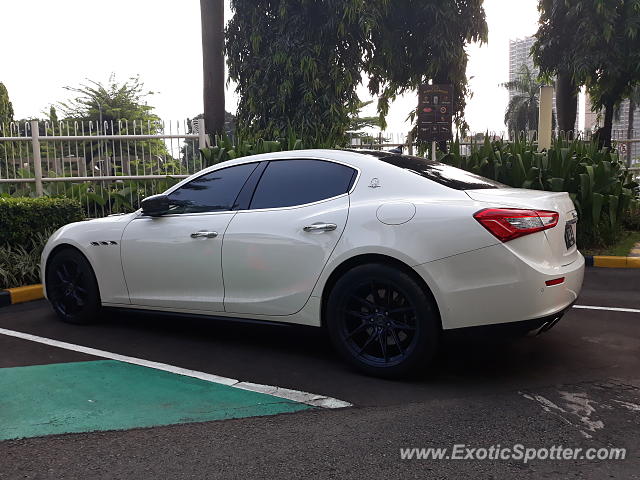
[590,117]
[520,54]
[620,130]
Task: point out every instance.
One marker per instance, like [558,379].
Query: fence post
[37,160]
[202,136]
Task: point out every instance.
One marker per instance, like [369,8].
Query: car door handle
[320,227]
[204,234]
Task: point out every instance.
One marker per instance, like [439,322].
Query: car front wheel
[72,288]
[380,319]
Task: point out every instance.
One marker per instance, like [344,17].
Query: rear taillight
[508,223]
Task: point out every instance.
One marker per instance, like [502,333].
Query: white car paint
[263,264]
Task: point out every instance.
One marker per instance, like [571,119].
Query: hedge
[21,217]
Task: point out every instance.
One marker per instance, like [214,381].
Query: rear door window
[286,183]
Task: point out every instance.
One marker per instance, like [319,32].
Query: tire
[382,322]
[72,288]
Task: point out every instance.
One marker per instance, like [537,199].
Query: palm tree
[522,111]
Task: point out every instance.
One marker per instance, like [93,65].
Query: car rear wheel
[72,288]
[380,319]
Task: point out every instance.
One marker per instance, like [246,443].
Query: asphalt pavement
[577,386]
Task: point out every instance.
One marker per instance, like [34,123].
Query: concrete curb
[11,296]
[612,262]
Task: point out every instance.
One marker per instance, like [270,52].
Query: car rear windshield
[438,172]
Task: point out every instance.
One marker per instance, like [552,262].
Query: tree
[117,108]
[6,107]
[212,21]
[551,53]
[358,122]
[601,51]
[110,102]
[522,110]
[417,41]
[6,117]
[297,65]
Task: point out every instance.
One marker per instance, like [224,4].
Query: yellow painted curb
[26,294]
[616,262]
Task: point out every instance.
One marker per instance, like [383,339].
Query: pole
[410,143]
[202,135]
[545,118]
[37,160]
[434,146]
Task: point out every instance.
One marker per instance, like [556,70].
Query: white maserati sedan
[385,250]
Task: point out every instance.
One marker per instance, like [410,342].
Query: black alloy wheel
[382,321]
[72,288]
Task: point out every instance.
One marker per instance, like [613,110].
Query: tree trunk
[566,103]
[212,19]
[632,108]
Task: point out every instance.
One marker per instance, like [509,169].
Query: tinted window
[212,192]
[285,183]
[439,172]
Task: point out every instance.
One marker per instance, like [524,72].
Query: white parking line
[612,309]
[294,395]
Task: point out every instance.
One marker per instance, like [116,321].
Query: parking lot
[577,386]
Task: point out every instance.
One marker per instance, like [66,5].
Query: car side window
[212,192]
[286,183]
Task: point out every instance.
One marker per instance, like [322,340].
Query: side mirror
[155,205]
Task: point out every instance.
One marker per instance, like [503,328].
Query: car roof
[355,158]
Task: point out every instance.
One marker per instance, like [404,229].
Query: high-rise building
[620,130]
[590,117]
[519,54]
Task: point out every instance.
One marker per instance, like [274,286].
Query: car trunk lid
[562,237]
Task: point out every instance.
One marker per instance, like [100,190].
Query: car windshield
[438,172]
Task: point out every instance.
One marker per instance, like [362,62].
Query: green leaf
[596,207]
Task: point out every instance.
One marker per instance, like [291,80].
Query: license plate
[569,237]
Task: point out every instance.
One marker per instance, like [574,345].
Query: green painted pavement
[110,395]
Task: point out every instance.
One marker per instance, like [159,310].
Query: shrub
[631,220]
[21,218]
[600,187]
[20,264]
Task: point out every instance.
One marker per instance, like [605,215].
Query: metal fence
[108,167]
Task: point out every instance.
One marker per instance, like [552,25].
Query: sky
[67,41]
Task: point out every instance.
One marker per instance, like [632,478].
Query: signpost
[435,114]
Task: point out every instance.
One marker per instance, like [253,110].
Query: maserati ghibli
[386,251]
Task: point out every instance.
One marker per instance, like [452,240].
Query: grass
[621,249]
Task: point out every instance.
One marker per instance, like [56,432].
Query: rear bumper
[491,286]
[533,327]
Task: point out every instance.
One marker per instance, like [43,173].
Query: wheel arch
[67,246]
[369,258]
